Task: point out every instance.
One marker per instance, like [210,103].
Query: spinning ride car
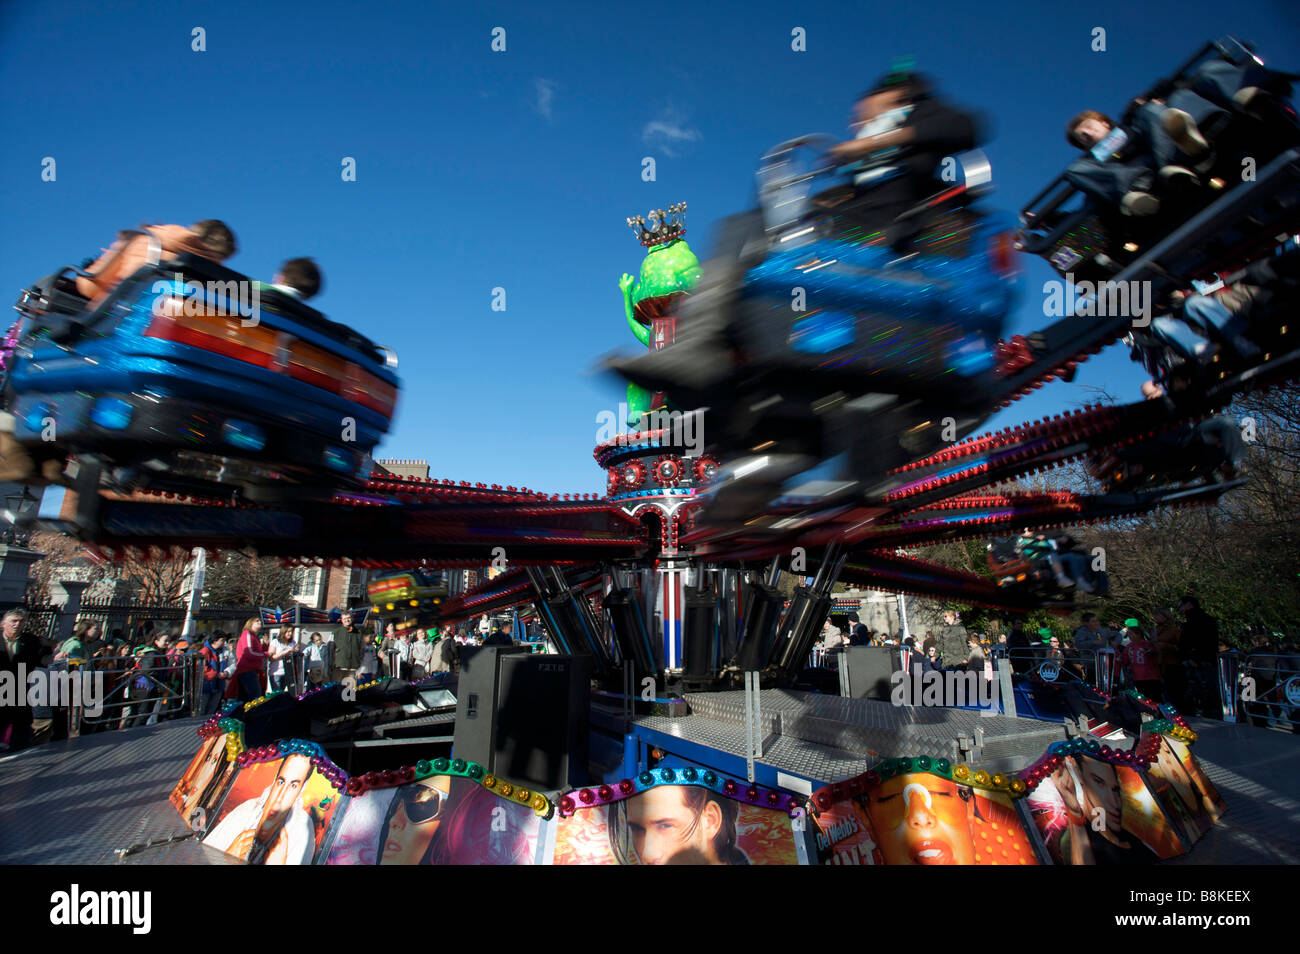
[826,326]
[405,590]
[189,377]
[1088,239]
[1050,565]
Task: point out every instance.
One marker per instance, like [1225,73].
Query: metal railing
[1262,688]
[136,690]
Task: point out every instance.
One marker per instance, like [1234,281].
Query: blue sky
[478,170]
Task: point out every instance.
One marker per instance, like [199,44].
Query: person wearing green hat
[1140,660]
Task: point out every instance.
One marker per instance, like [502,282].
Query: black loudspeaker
[868,670]
[761,615]
[525,717]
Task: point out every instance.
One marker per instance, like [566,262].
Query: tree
[161,573]
[65,558]
[1241,556]
[245,579]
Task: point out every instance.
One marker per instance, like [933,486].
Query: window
[307,582]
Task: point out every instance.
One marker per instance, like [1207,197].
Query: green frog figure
[654,299]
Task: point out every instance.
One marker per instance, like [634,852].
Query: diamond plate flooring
[77,802]
[875,730]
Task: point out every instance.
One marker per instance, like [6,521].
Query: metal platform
[78,801]
[872,730]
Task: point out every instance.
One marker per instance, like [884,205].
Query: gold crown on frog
[667,225]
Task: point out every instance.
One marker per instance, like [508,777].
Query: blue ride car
[191,378]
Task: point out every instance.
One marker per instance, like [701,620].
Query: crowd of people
[1171,660]
[151,673]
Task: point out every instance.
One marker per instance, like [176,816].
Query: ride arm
[641,331]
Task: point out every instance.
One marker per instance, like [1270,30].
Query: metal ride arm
[1172,262]
[809,609]
[569,618]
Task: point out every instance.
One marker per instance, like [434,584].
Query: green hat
[1045,633]
[1132,622]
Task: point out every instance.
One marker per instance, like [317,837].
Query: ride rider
[904,134]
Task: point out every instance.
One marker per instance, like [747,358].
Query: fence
[1261,688]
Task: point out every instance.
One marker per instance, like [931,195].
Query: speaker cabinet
[525,717]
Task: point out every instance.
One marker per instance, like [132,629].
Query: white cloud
[669,133]
[544,89]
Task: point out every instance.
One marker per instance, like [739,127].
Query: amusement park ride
[824,454]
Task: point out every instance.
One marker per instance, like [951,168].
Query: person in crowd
[1140,659]
[1088,639]
[250,661]
[347,649]
[975,659]
[73,649]
[18,647]
[1200,647]
[121,672]
[214,679]
[1169,658]
[422,653]
[178,657]
[501,637]
[402,655]
[280,654]
[95,640]
[317,659]
[369,666]
[860,636]
[386,646]
[149,690]
[1054,650]
[446,656]
[832,638]
[952,641]
[1018,648]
